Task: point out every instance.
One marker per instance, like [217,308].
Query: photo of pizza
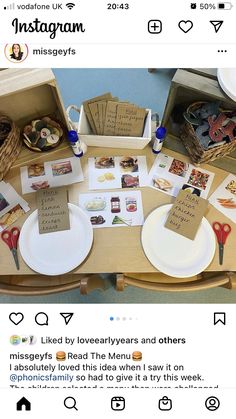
[198,179]
[231,187]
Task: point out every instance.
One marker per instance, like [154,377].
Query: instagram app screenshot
[117,209]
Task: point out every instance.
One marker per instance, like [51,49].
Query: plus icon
[154,26]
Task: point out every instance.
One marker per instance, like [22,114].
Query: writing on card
[186,214]
[53,212]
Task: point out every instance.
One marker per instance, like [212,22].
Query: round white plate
[172,253]
[227,81]
[59,252]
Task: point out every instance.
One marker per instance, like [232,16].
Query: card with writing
[53,211]
[186,214]
[106,96]
[129,121]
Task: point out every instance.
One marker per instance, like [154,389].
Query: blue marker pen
[158,142]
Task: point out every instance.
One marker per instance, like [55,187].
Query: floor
[145,89]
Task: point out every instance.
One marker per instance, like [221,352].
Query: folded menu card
[53,212]
[186,214]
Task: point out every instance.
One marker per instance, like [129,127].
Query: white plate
[59,252]
[227,81]
[172,253]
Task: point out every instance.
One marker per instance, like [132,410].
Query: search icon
[70,403]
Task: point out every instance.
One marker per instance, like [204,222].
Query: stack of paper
[108,116]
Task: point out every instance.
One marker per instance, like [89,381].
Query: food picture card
[12,205]
[170,175]
[224,197]
[117,172]
[51,174]
[113,209]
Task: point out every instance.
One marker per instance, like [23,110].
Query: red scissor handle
[10,237]
[222,231]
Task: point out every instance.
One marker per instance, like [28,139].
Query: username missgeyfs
[52,28]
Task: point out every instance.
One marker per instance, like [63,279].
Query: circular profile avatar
[16,52]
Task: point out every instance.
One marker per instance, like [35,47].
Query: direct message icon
[117,403]
[165,403]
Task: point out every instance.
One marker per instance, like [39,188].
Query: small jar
[131,204]
[115,204]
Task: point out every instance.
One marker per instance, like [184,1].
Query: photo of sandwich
[104,162]
[62,168]
[35,170]
[162,184]
[129,164]
[11,216]
[40,185]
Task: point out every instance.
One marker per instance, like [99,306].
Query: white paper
[224,197]
[12,205]
[170,175]
[51,174]
[129,204]
[117,172]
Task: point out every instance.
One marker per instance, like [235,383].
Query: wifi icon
[70,5]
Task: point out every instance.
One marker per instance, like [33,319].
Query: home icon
[23,404]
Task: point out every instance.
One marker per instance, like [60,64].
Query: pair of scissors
[10,237]
[221,231]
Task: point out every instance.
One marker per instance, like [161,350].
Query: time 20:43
[117,6]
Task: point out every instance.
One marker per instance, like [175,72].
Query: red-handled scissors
[10,237]
[221,231]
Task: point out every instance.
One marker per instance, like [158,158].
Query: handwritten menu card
[108,116]
[53,212]
[186,214]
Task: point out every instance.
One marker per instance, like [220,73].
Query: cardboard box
[188,87]
[86,135]
[26,94]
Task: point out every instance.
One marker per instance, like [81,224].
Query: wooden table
[115,250]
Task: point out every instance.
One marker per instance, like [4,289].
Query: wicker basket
[11,146]
[196,151]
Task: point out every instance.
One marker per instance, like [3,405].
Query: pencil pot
[10,144]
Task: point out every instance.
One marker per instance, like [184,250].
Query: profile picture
[16,52]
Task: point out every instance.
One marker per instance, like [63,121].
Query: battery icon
[225,6]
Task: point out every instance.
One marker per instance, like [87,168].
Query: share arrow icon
[217,24]
[67,317]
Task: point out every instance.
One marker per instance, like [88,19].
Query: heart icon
[16,318]
[185,25]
